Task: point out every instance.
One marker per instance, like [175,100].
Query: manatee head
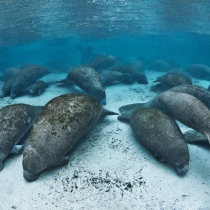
[32,164]
[15,90]
[141,78]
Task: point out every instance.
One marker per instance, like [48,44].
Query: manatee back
[89,81]
[60,123]
[187,109]
[16,120]
[25,77]
[161,135]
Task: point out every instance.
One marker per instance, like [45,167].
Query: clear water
[55,31]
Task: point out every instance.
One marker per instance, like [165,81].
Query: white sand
[108,168]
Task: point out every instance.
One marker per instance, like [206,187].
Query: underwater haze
[49,32]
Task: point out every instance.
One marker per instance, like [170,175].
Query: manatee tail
[125,111]
[130,107]
[108,112]
[207,134]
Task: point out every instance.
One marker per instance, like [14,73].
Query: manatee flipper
[17,149]
[207,134]
[130,107]
[126,110]
[193,136]
[108,112]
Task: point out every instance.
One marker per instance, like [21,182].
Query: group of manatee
[54,128]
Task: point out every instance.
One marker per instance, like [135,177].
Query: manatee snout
[30,177]
[181,169]
[32,164]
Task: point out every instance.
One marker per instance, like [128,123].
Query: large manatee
[188,110]
[16,119]
[60,123]
[197,91]
[161,135]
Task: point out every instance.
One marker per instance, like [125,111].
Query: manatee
[16,119]
[188,110]
[25,77]
[199,71]
[37,88]
[58,126]
[197,91]
[172,79]
[161,135]
[136,75]
[110,77]
[10,72]
[159,65]
[193,137]
[102,62]
[6,88]
[88,80]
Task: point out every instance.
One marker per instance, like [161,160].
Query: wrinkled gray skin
[193,136]
[37,88]
[88,80]
[136,75]
[110,77]
[25,77]
[199,71]
[197,91]
[188,110]
[61,122]
[15,121]
[160,134]
[172,79]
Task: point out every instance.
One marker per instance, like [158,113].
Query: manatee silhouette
[16,119]
[37,88]
[111,77]
[172,79]
[61,122]
[88,80]
[25,77]
[135,74]
[198,71]
[102,62]
[161,135]
[197,91]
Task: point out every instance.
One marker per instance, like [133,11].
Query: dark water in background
[56,31]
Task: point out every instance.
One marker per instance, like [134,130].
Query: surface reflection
[25,21]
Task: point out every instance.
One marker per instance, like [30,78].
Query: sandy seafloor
[108,168]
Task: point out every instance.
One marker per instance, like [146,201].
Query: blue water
[47,32]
